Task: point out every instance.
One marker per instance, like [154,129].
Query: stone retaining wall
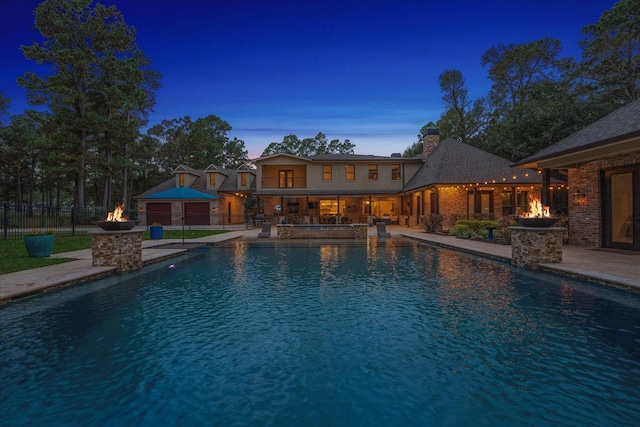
[355,231]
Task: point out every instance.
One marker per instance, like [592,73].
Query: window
[395,172]
[181,179]
[285,179]
[480,204]
[350,172]
[373,172]
[212,180]
[326,172]
[521,205]
[243,179]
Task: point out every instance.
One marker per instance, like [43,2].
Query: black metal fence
[17,222]
[20,221]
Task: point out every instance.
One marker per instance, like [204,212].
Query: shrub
[431,223]
[462,230]
[470,228]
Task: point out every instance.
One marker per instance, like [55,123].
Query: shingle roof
[230,184]
[357,157]
[621,124]
[454,162]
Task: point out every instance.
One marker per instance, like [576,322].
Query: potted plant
[156,231]
[39,243]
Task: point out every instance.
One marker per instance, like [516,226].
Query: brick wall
[585,221]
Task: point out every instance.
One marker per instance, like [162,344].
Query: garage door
[159,212]
[196,213]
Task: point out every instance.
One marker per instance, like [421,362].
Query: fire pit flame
[538,216]
[116,215]
[116,221]
[536,210]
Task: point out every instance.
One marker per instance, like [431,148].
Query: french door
[621,208]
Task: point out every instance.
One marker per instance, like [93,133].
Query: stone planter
[39,246]
[156,232]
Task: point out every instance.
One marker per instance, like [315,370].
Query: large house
[450,179]
[603,166]
[334,188]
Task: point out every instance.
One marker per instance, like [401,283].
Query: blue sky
[360,70]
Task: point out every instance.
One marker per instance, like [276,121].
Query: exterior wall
[585,222]
[308,175]
[453,202]
[221,213]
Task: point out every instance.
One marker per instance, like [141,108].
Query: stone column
[284,231]
[360,231]
[531,246]
[120,249]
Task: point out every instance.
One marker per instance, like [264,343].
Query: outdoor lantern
[579,199]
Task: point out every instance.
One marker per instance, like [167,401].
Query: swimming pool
[323,333]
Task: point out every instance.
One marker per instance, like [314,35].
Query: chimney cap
[433,131]
[396,155]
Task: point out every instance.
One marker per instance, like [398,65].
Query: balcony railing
[300,182]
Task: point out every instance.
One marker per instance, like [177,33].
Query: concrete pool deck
[608,267]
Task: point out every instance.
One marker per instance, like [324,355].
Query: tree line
[538,97]
[88,148]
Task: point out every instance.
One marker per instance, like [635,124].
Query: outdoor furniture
[259,219]
[266,230]
[382,229]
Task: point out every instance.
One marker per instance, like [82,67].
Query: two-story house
[333,188]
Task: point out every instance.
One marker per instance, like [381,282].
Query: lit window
[326,172]
[181,179]
[285,179]
[350,172]
[395,172]
[212,180]
[243,179]
[373,172]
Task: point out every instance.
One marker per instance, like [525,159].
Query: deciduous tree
[611,53]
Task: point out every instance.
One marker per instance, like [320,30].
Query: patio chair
[259,219]
[266,230]
[382,229]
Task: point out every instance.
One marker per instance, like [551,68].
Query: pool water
[379,333]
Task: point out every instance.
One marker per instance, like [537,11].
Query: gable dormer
[215,177]
[246,176]
[185,176]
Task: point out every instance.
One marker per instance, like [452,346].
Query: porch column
[546,183]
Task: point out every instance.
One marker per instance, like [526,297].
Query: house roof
[229,185]
[616,133]
[454,162]
[341,158]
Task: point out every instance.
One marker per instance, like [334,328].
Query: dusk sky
[366,71]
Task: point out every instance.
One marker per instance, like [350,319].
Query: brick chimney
[430,141]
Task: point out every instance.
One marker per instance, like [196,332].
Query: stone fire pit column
[531,246]
[120,249]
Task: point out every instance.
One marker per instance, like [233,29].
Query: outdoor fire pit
[537,221]
[116,222]
[116,225]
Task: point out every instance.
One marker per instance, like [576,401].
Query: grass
[15,258]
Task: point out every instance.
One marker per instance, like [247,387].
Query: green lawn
[14,255]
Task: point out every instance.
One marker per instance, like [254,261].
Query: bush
[462,230]
[431,223]
[472,228]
